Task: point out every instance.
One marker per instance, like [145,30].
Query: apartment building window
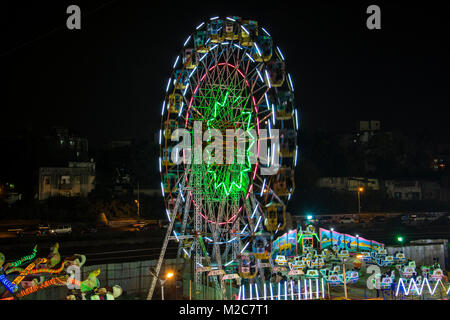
[65,179]
[415,195]
[47,180]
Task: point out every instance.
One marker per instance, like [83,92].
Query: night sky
[108,79]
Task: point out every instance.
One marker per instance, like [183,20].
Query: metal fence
[208,290]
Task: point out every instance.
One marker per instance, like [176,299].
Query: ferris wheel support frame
[164,246]
[183,226]
[197,173]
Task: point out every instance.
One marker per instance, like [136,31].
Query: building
[403,190]
[64,167]
[119,144]
[75,180]
[348,183]
[439,162]
[366,129]
[414,190]
[63,146]
[372,125]
[431,190]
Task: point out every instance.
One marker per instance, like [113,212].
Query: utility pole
[173,215]
[139,203]
[360,189]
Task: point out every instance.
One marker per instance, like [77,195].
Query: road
[120,243]
[117,244]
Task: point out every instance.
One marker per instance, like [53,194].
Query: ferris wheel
[229,76]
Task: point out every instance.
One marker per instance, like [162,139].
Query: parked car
[16,230]
[418,218]
[138,226]
[379,219]
[325,220]
[65,229]
[347,220]
[44,229]
[30,232]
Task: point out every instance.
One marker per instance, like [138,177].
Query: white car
[61,230]
[347,220]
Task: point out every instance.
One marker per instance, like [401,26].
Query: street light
[360,189]
[138,208]
[169,275]
[357,242]
[400,239]
[332,229]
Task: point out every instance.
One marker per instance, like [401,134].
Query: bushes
[62,209]
[68,210]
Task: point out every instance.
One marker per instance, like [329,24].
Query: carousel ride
[299,256]
[29,274]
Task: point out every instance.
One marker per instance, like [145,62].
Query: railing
[308,289]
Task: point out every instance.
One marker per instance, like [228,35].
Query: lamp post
[357,243]
[360,189]
[351,260]
[332,229]
[168,276]
[138,204]
[344,275]
[138,208]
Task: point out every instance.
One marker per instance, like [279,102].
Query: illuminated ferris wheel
[228,77]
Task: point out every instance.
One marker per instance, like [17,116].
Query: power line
[42,36]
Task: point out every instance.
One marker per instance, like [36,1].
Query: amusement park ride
[30,274]
[227,218]
[229,75]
